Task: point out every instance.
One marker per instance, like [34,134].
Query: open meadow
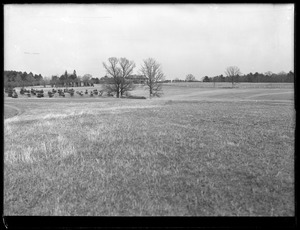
[199,150]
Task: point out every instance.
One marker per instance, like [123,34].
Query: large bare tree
[190,77]
[233,72]
[153,72]
[118,70]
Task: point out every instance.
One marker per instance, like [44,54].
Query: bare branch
[190,77]
[153,74]
[126,67]
[119,70]
[232,71]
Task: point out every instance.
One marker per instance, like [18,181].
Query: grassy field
[229,85]
[193,152]
[10,111]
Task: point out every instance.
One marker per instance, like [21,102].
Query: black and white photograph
[178,110]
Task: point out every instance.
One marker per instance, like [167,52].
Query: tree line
[250,77]
[234,75]
[119,80]
[22,79]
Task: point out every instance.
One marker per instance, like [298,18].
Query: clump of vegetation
[136,97]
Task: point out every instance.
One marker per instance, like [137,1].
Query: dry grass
[149,157]
[229,85]
[9,112]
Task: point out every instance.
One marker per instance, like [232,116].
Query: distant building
[137,79]
[104,79]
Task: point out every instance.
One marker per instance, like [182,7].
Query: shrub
[136,97]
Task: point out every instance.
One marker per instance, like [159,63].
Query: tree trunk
[150,92]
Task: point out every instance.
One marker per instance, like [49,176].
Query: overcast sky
[201,39]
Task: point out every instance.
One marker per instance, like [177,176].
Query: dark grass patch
[136,97]
[10,112]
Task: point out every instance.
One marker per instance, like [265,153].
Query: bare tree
[190,77]
[282,73]
[118,70]
[86,78]
[268,73]
[126,70]
[46,81]
[233,72]
[154,75]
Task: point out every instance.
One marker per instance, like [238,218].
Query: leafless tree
[282,73]
[154,76]
[118,70]
[268,73]
[126,69]
[86,77]
[233,72]
[190,77]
